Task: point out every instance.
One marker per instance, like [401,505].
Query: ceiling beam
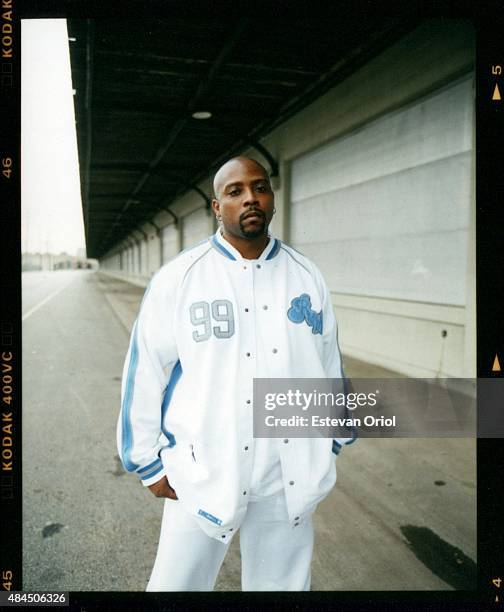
[208,202]
[134,167]
[105,107]
[202,89]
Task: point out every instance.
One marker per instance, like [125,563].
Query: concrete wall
[395,196]
[404,334]
[154,246]
[196,226]
[171,242]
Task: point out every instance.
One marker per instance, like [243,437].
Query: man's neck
[249,248]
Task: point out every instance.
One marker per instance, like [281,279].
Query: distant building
[50,261]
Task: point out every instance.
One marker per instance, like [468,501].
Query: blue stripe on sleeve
[149,467]
[354,436]
[175,375]
[152,473]
[127,433]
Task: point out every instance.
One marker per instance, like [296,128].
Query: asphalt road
[401,517]
[87,525]
[41,287]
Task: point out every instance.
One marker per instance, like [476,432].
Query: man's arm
[333,364]
[151,359]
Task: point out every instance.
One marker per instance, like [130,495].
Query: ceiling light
[202,115]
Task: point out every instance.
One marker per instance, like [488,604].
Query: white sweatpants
[276,556]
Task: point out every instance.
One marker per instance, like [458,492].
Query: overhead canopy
[139,82]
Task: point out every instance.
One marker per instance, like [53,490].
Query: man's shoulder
[291,250]
[300,258]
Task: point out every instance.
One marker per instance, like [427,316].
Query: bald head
[244,201]
[226,171]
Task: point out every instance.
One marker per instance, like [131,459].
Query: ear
[216,207]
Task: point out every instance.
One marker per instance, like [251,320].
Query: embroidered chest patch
[300,310]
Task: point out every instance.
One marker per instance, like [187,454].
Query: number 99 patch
[204,314]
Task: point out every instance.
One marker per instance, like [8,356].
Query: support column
[281,187]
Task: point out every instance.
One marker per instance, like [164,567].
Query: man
[211,320]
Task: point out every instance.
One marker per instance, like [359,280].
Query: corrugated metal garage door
[384,210]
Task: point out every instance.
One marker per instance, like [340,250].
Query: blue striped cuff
[150,470]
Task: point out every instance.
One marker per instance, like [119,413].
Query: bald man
[241,305]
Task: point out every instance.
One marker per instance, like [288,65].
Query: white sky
[51,210]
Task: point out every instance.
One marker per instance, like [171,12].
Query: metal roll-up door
[384,210]
[386,213]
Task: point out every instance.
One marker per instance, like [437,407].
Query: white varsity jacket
[211,321]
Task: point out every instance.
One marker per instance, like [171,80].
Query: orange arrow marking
[496,93]
[496,365]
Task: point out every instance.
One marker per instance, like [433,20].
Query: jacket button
[296,524]
[265,307]
[248,354]
[275,350]
[246,309]
[246,448]
[291,482]
[248,401]
[244,267]
[230,529]
[223,536]
[296,518]
[244,492]
[258,266]
[286,441]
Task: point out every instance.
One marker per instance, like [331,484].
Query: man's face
[245,200]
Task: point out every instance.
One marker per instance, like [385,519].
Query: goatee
[252,233]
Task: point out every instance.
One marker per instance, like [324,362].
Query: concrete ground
[401,517]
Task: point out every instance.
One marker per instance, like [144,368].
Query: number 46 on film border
[7,167]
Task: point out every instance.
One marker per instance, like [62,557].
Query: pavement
[401,517]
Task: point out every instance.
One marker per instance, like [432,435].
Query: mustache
[251,211]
